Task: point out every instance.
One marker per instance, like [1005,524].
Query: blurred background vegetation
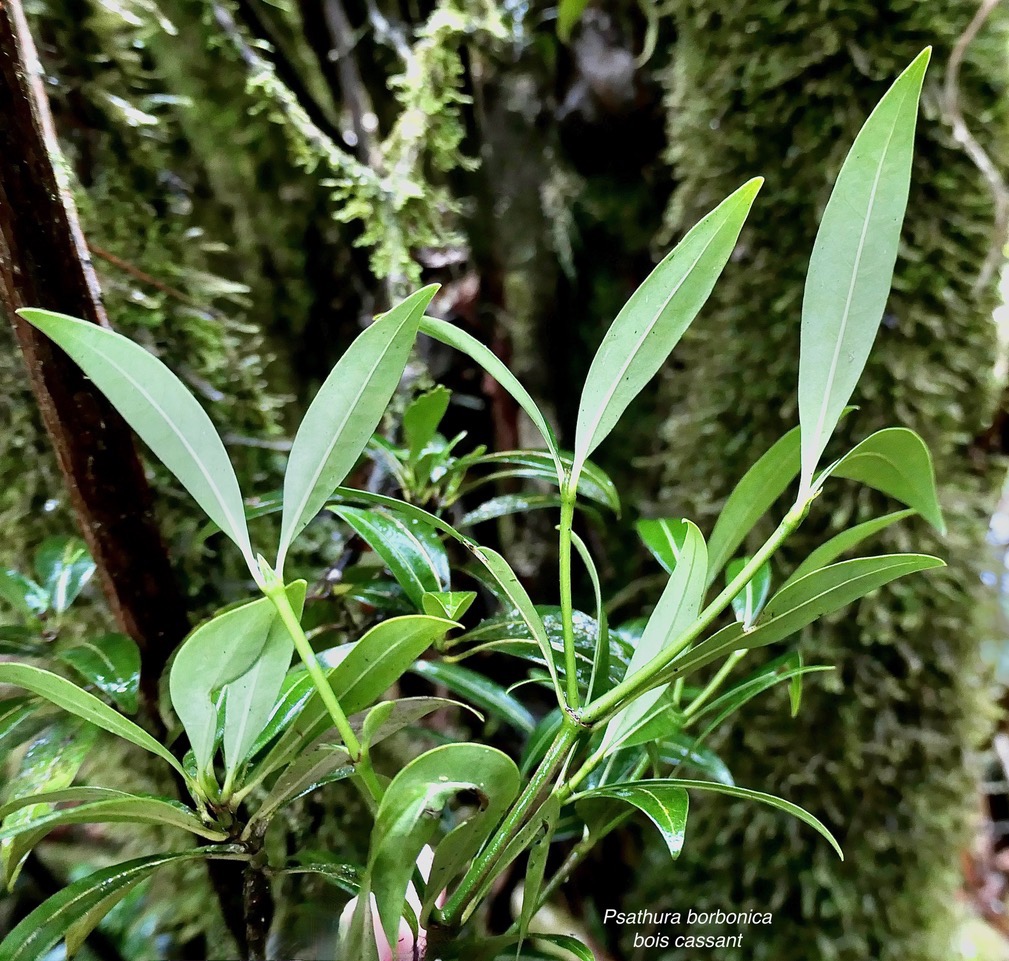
[258,177]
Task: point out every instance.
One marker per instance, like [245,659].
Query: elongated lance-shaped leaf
[252,695]
[162,411]
[112,663]
[479,691]
[804,601]
[750,601]
[68,696]
[664,802]
[651,323]
[896,461]
[851,267]
[677,609]
[340,421]
[454,337]
[599,679]
[32,939]
[839,544]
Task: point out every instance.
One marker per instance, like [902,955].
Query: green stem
[641,680]
[315,671]
[714,684]
[483,865]
[567,613]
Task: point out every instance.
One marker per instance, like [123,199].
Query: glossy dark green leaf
[406,818]
[897,462]
[156,404]
[50,763]
[23,594]
[664,802]
[64,567]
[842,543]
[593,483]
[478,690]
[251,696]
[676,610]
[489,361]
[410,549]
[508,504]
[680,749]
[32,939]
[851,267]
[751,498]
[540,740]
[422,416]
[532,883]
[448,604]
[750,601]
[652,321]
[19,720]
[71,698]
[523,604]
[760,797]
[346,877]
[111,662]
[806,600]
[345,412]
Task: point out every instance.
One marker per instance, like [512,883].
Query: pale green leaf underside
[161,410]
[851,267]
[652,321]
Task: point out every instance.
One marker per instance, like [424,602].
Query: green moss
[879,752]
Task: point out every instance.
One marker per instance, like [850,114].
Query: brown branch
[972,147]
[44,262]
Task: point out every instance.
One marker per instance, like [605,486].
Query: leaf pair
[166,416]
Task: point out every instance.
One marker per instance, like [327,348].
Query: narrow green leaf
[19,720]
[448,604]
[162,411]
[842,543]
[569,12]
[131,810]
[344,414]
[517,595]
[599,679]
[532,883]
[17,640]
[805,601]
[252,696]
[508,504]
[651,323]
[897,462]
[32,939]
[593,482]
[64,566]
[768,799]
[421,418]
[752,497]
[478,690]
[749,602]
[406,818]
[851,267]
[70,697]
[218,651]
[677,609]
[77,933]
[112,663]
[664,802]
[410,549]
[455,337]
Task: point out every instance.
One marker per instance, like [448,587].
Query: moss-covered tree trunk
[879,750]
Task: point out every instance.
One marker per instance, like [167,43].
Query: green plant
[633,701]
